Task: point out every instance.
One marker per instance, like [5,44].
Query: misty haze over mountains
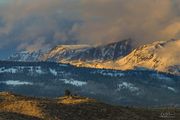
[30,25]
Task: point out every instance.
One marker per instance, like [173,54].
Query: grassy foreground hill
[17,107]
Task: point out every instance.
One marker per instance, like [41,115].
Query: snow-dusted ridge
[78,54]
[26,56]
[160,56]
[63,52]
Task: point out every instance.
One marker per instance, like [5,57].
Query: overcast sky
[33,24]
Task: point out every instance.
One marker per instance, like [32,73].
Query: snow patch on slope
[161,77]
[53,71]
[109,73]
[16,82]
[171,89]
[129,86]
[74,82]
[9,70]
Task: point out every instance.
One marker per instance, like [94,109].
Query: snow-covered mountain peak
[77,54]
[63,52]
[160,56]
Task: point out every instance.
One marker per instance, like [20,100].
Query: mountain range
[68,53]
[161,56]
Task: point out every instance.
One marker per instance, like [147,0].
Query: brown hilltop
[16,107]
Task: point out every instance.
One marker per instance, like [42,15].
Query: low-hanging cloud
[34,24]
[142,20]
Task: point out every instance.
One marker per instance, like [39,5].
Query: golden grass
[15,104]
[7,96]
[29,108]
[72,100]
[71,108]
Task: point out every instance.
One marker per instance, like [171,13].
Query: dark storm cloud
[38,23]
[44,23]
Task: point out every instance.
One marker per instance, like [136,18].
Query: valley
[132,87]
